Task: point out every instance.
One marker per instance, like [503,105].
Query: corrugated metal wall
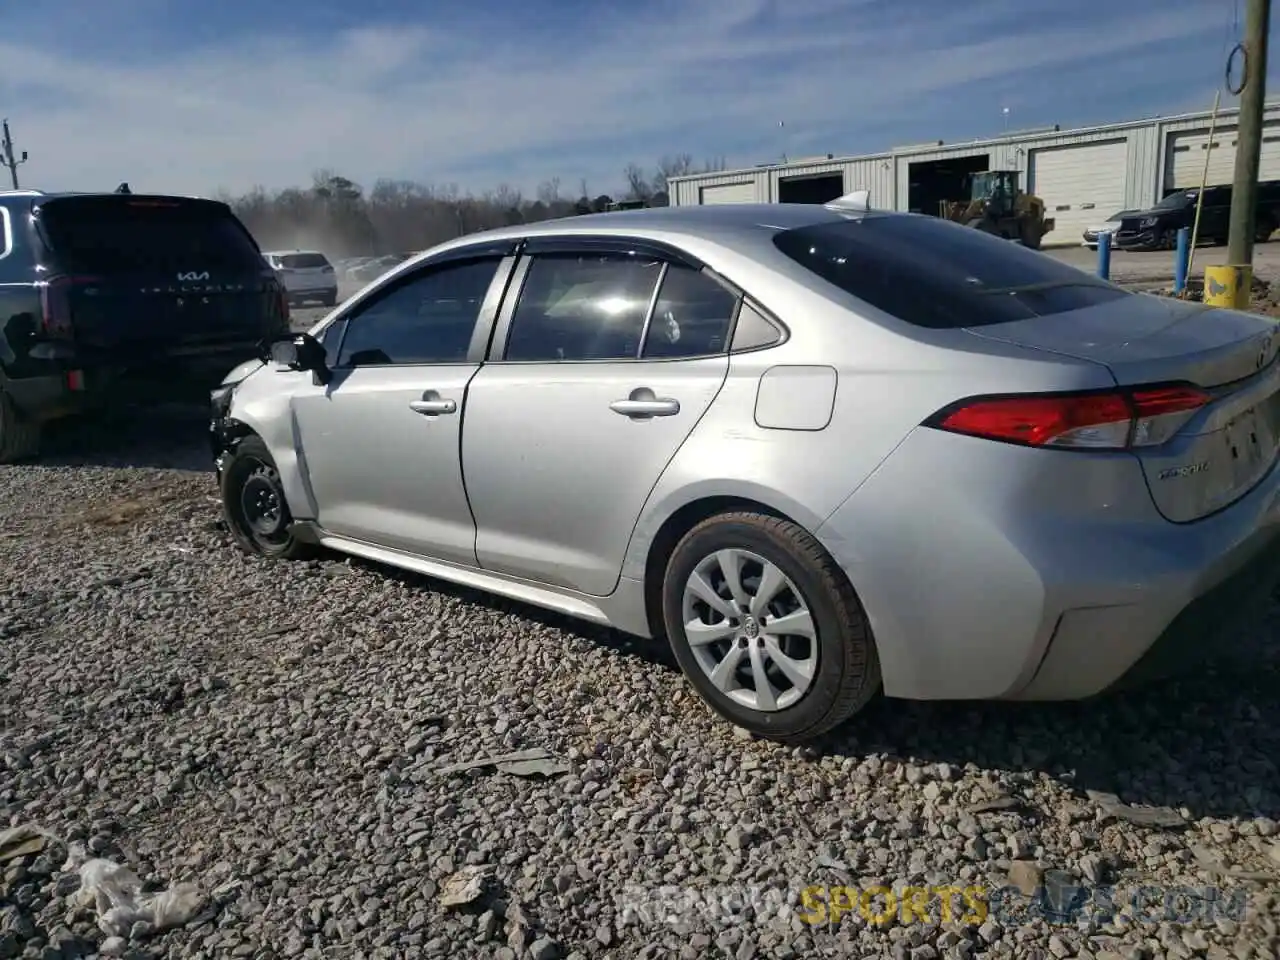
[886,175]
[688,192]
[903,168]
[1164,135]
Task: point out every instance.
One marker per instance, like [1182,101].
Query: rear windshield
[1175,201]
[933,273]
[118,233]
[302,261]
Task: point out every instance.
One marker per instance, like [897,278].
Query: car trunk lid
[1232,443]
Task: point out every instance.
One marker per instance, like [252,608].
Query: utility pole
[6,145]
[1244,193]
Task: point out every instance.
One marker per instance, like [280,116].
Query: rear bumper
[316,289]
[992,571]
[87,385]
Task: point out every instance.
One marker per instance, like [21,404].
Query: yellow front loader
[997,206]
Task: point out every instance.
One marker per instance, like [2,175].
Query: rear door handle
[432,405]
[643,404]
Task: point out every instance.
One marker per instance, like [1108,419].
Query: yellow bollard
[1228,286]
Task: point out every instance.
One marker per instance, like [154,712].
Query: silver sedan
[824,451]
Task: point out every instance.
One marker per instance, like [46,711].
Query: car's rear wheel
[767,628]
[19,436]
[254,504]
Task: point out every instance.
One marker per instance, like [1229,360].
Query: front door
[380,442]
[610,360]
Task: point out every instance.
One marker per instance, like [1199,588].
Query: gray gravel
[274,732]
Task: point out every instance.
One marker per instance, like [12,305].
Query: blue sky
[180,95]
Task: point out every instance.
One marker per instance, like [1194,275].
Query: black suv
[1157,228]
[107,296]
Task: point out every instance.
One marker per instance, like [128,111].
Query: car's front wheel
[767,628]
[254,505]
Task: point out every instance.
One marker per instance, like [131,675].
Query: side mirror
[300,352]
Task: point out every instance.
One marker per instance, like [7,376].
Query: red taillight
[55,305]
[1114,420]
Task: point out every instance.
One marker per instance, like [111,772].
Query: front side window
[585,306]
[331,340]
[428,317]
[691,318]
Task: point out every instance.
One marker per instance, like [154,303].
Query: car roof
[732,224]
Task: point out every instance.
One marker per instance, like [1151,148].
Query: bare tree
[638,182]
[343,218]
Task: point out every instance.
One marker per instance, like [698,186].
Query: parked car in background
[307,275]
[822,450]
[1111,225]
[1157,228]
[115,296]
[347,265]
[375,267]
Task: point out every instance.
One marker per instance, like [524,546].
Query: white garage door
[1081,185]
[730,193]
[1184,166]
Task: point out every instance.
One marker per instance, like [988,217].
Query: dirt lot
[1145,268]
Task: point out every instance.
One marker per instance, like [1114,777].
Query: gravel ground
[279,735]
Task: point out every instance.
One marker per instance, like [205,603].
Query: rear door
[599,370]
[163,276]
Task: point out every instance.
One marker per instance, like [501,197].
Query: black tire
[847,674]
[19,436]
[1263,230]
[330,300]
[249,481]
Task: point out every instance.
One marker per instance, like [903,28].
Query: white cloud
[481,107]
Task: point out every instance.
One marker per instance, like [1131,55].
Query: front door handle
[432,405]
[643,404]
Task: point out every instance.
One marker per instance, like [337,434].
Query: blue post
[1181,260]
[1104,255]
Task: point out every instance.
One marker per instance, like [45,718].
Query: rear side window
[932,273]
[588,307]
[691,318]
[303,261]
[116,233]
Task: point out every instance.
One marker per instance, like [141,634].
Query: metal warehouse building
[1083,176]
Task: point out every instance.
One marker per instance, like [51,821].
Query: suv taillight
[282,299]
[1096,420]
[55,305]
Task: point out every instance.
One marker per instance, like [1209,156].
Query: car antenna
[123,188]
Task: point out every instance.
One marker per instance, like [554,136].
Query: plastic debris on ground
[116,894]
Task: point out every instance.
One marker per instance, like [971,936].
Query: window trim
[623,246]
[497,248]
[484,322]
[6,231]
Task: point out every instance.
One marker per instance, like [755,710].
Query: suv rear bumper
[80,389]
